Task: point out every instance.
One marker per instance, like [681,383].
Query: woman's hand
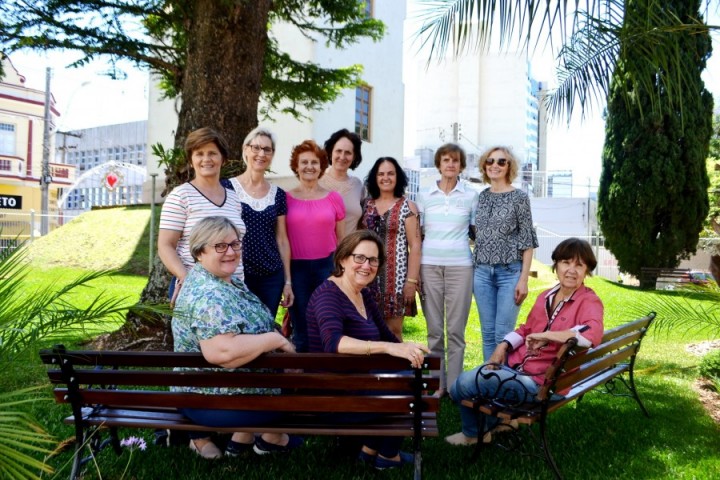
[409,292]
[499,356]
[285,344]
[521,291]
[414,352]
[288,297]
[534,342]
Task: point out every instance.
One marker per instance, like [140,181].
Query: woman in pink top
[314,227]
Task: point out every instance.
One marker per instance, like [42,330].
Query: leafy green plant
[26,318]
[710,365]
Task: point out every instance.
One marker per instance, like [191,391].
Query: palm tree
[26,318]
[585,37]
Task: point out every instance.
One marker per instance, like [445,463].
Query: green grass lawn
[601,437]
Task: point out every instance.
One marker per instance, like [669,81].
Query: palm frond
[20,437]
[695,310]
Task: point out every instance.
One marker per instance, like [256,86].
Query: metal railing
[607,266]
[25,227]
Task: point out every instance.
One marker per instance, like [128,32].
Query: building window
[362,112]
[7,139]
[368,8]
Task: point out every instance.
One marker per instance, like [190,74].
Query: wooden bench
[121,389]
[579,370]
[650,276]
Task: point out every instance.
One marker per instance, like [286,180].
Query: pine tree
[653,189]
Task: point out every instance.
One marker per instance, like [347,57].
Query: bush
[710,365]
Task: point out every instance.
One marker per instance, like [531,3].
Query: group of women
[347,260]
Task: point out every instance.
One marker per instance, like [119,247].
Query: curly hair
[308,146]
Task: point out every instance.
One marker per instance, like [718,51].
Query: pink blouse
[311,225]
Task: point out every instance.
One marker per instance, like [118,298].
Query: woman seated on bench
[343,317]
[217,315]
[517,367]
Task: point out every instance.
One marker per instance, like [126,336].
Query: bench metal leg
[418,466]
[546,450]
[630,384]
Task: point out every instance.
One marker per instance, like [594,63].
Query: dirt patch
[709,397]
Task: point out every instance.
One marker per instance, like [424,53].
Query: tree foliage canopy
[154,34]
[653,189]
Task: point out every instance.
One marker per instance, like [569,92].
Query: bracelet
[411,280]
[510,346]
[368,348]
[288,282]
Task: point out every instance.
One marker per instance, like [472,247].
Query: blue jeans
[226,418]
[494,289]
[504,383]
[268,288]
[307,275]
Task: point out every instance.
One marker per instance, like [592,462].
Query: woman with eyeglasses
[344,318]
[206,151]
[315,222]
[447,210]
[266,252]
[504,243]
[218,316]
[394,218]
[344,154]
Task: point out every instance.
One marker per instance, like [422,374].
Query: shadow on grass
[601,437]
[139,261]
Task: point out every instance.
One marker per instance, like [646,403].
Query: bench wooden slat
[286,403]
[386,425]
[304,380]
[568,379]
[639,324]
[604,348]
[328,361]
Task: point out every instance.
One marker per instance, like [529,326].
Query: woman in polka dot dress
[266,250]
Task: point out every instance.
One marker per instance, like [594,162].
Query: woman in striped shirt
[203,196]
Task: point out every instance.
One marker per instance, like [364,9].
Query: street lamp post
[45,178]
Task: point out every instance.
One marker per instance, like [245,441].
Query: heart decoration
[111,180]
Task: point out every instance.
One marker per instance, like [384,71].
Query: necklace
[355,297]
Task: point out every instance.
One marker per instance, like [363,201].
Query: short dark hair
[371,180]
[574,248]
[308,146]
[451,148]
[200,137]
[354,139]
[349,242]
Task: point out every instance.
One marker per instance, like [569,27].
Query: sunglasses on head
[500,161]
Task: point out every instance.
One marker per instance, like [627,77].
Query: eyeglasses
[223,247]
[500,161]
[258,149]
[359,258]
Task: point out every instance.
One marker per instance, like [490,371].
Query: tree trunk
[220,89]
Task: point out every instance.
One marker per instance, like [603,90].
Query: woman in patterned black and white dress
[394,218]
[504,243]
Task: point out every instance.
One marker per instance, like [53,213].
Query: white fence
[607,266]
[25,227]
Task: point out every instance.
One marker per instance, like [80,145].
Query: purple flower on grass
[133,443]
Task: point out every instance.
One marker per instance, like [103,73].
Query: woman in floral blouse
[217,315]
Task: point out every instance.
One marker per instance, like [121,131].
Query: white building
[380,100]
[110,163]
[478,101]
